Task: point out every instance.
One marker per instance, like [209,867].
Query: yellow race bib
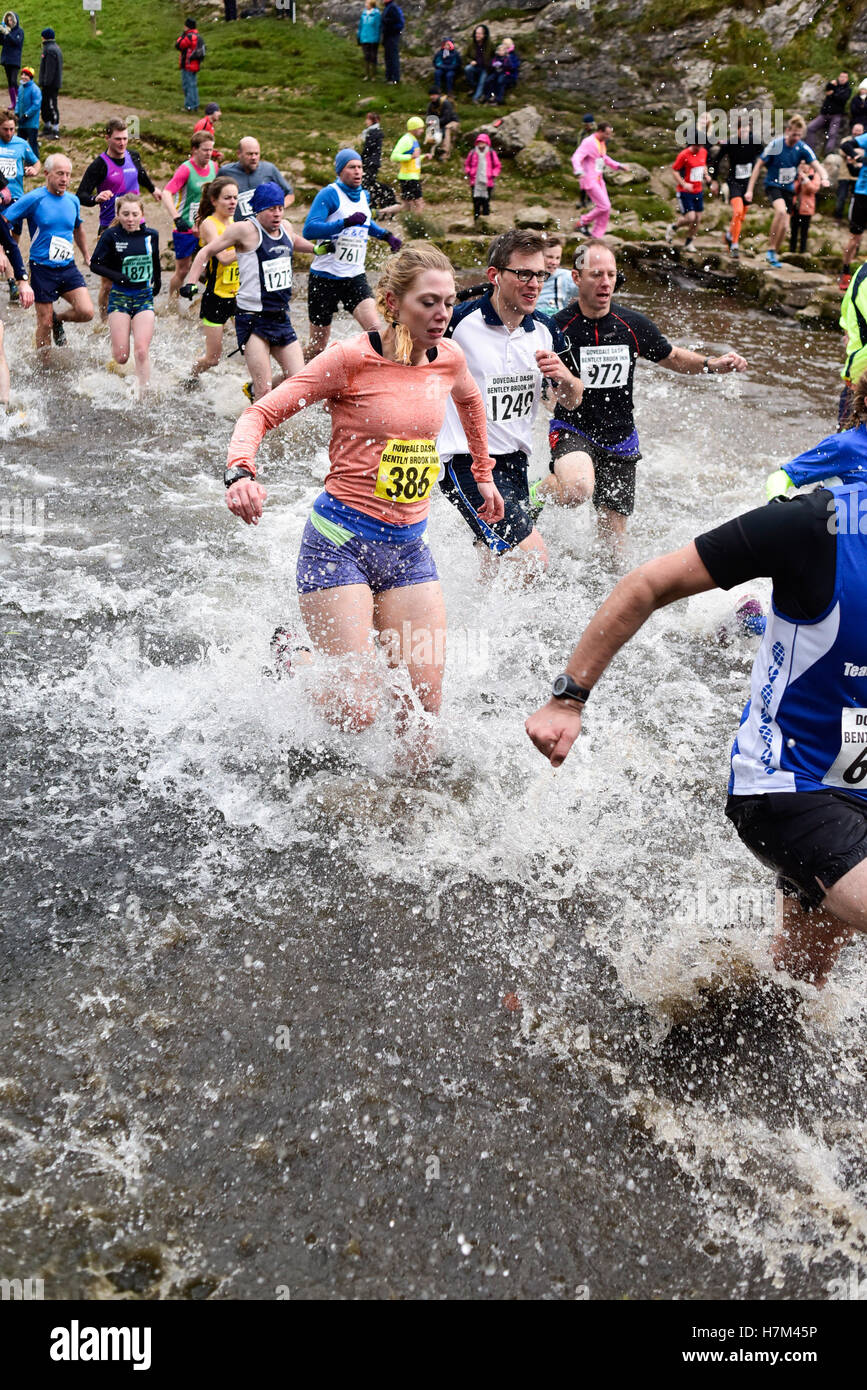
[408,469]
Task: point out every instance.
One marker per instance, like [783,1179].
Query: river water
[254,1041]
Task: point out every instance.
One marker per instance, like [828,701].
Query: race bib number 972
[605,365]
[850,766]
[408,469]
[510,397]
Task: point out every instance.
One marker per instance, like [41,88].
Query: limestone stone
[538,158]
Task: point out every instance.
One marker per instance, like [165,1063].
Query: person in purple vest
[117,170]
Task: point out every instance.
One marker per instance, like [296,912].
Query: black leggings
[799,227]
[481,206]
[11,75]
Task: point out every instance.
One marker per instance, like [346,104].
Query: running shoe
[14,296]
[845,281]
[729,242]
[670,231]
[247,388]
[284,646]
[734,251]
[773,260]
[58,332]
[689,244]
[750,616]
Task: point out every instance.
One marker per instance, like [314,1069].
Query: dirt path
[77,113]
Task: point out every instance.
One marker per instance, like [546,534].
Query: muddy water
[252,973]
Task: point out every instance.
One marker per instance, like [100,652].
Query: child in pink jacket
[588,163]
[482,167]
[806,187]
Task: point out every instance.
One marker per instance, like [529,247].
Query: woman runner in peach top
[364,566]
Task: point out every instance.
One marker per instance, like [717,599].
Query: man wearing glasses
[509,348]
[594,445]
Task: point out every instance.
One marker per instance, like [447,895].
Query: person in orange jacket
[806,187]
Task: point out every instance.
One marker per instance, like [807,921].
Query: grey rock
[516,131]
[631,173]
[538,158]
[534,217]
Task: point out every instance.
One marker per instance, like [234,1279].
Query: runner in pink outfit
[588,162]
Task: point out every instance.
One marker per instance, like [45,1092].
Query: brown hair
[210,193]
[121,201]
[8,116]
[199,139]
[797,120]
[857,412]
[114,124]
[552,239]
[400,272]
[501,248]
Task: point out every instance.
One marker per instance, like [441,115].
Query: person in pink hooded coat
[588,163]
[482,168]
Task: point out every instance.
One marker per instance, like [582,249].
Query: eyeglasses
[525,276]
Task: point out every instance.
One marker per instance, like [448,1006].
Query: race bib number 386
[510,397]
[408,469]
[605,365]
[850,766]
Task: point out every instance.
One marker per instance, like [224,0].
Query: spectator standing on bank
[477,60]
[482,167]
[369,34]
[192,50]
[209,123]
[50,82]
[392,26]
[858,106]
[13,42]
[853,155]
[447,65]
[807,185]
[381,196]
[832,117]
[27,109]
[230,10]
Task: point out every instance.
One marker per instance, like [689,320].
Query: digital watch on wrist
[564,688]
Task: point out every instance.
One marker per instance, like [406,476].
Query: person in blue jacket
[27,109]
[392,25]
[369,34]
[10,56]
[447,65]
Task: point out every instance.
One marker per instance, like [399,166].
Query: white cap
[862,86]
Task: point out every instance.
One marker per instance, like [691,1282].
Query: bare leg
[80,307]
[572,481]
[412,626]
[340,623]
[104,290]
[44,315]
[180,274]
[316,343]
[779,224]
[257,355]
[213,349]
[290,359]
[808,942]
[612,529]
[142,333]
[366,314]
[530,557]
[119,329]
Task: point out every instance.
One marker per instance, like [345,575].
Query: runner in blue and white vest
[265,244]
[339,221]
[53,215]
[798,782]
[780,159]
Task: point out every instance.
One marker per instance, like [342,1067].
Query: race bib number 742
[605,365]
[408,469]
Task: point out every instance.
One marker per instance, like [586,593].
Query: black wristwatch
[234,475]
[564,688]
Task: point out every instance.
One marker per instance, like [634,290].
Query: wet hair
[502,247]
[210,193]
[603,125]
[116,123]
[199,139]
[581,254]
[374,115]
[857,412]
[398,277]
